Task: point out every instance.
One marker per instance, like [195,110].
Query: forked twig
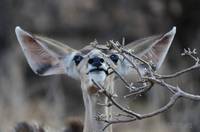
[152,78]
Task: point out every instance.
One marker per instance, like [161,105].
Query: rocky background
[51,101]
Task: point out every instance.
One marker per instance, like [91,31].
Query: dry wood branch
[194,67]
[150,79]
[140,90]
[134,115]
[116,46]
[134,90]
[120,76]
[110,97]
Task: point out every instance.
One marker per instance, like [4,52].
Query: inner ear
[153,49]
[45,56]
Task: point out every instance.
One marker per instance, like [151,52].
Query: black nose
[96,61]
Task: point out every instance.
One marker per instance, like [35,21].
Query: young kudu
[47,57]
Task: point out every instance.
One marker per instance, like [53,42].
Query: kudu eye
[114,58]
[77,59]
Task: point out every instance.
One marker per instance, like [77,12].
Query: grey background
[51,100]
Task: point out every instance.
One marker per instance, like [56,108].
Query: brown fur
[74,125]
[92,90]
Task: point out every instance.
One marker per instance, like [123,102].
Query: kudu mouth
[98,70]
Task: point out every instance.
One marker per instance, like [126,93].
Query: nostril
[96,61]
[102,60]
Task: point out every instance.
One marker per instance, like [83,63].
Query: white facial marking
[98,75]
[70,68]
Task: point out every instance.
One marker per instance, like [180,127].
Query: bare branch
[116,46]
[134,115]
[194,67]
[118,75]
[140,90]
[109,96]
[147,82]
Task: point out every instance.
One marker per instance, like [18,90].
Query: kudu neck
[94,103]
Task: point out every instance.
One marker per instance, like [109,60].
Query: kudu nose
[96,61]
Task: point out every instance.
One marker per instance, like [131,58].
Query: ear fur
[153,49]
[45,56]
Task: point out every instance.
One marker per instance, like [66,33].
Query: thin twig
[194,67]
[109,96]
[154,78]
[115,46]
[140,90]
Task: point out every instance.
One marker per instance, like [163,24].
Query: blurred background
[52,100]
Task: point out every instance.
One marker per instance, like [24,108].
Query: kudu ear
[153,49]
[45,56]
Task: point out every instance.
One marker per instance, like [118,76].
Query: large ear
[45,56]
[153,49]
